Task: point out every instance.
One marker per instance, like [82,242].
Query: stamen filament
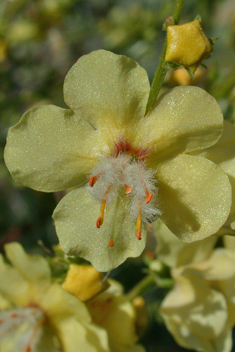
[100,220]
[138,225]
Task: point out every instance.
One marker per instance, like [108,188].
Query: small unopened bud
[84,282]
[187,45]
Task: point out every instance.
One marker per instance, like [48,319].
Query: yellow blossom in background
[200,310]
[112,311]
[187,44]
[174,253]
[37,315]
[126,169]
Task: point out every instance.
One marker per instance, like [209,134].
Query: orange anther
[111,243]
[149,196]
[92,181]
[13,315]
[138,235]
[99,222]
[128,189]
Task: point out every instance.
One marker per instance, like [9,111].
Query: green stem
[148,282]
[161,69]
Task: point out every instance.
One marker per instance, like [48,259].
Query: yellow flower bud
[182,78]
[84,282]
[187,44]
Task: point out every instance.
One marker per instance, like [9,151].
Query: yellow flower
[37,315]
[187,44]
[127,168]
[200,310]
[112,311]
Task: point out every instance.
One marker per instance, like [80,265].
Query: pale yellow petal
[202,309]
[194,196]
[173,252]
[59,303]
[34,268]
[13,286]
[107,89]
[223,154]
[75,220]
[184,119]
[51,149]
[75,336]
[117,315]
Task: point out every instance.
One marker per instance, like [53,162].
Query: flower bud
[84,282]
[187,45]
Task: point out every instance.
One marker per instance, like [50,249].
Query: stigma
[123,174]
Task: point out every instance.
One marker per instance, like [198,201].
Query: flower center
[23,326]
[125,174]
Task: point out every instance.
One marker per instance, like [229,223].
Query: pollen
[124,174]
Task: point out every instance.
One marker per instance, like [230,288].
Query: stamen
[138,225]
[92,181]
[111,243]
[100,220]
[128,189]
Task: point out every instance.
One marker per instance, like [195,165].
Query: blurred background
[41,39]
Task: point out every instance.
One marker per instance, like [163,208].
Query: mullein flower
[113,311]
[126,169]
[38,315]
[199,311]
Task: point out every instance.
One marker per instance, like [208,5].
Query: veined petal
[34,268]
[107,88]
[194,196]
[184,119]
[75,220]
[51,149]
[223,154]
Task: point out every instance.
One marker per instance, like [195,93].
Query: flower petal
[34,268]
[75,221]
[75,336]
[13,286]
[194,196]
[174,253]
[106,88]
[223,154]
[51,149]
[195,314]
[58,303]
[184,119]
